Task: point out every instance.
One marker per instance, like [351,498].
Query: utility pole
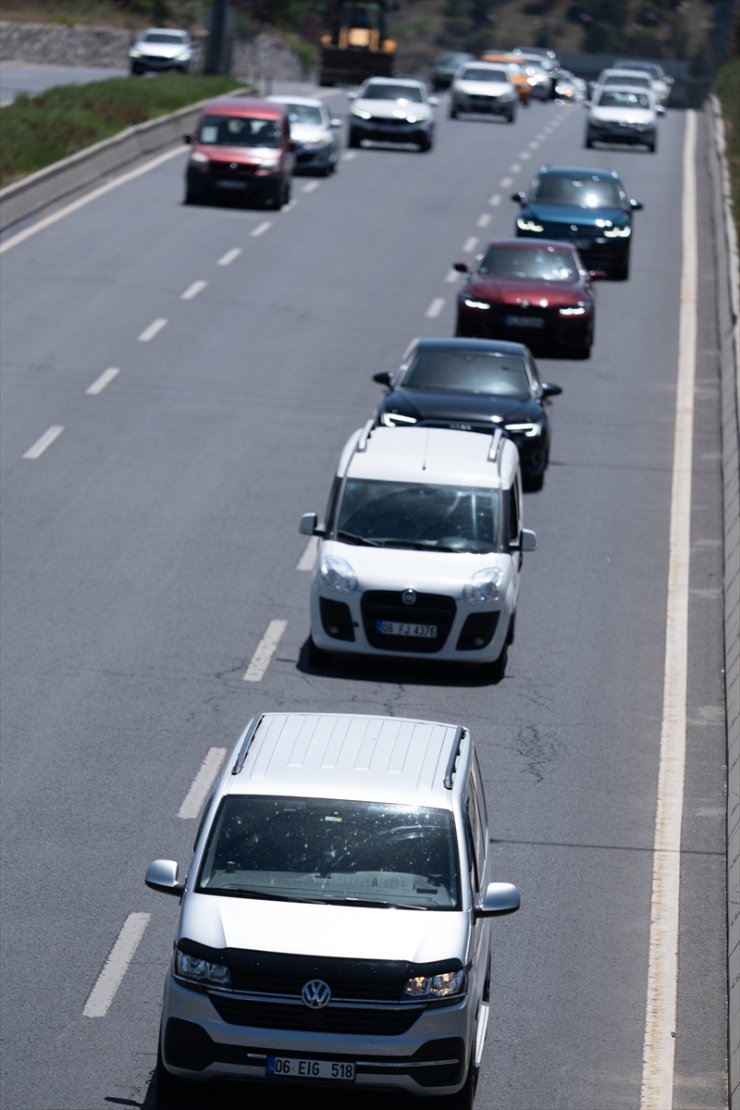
[218,47]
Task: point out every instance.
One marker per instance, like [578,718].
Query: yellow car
[518,70]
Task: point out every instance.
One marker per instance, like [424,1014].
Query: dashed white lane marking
[452,276]
[659,1045]
[148,333]
[228,258]
[349,155]
[435,308]
[505,182]
[260,229]
[470,244]
[484,219]
[202,783]
[43,441]
[105,379]
[494,200]
[193,290]
[310,186]
[515,167]
[265,651]
[115,967]
[525,155]
[533,145]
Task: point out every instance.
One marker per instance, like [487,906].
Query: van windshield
[238,131]
[319,850]
[419,515]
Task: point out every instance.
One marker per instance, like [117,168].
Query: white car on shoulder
[421,549]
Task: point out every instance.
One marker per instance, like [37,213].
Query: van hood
[394,568]
[345,932]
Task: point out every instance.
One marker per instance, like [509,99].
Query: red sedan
[536,292]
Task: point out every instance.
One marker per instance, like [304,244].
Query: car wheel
[353,140]
[426,142]
[453,110]
[511,116]
[191,197]
[316,656]
[464,1098]
[509,640]
[622,269]
[653,146]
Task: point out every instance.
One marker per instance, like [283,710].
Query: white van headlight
[197,970]
[444,985]
[483,586]
[337,574]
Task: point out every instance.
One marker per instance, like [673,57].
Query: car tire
[353,139]
[534,482]
[453,110]
[511,117]
[426,142]
[465,1097]
[172,1092]
[622,269]
[498,670]
[653,146]
[588,142]
[191,197]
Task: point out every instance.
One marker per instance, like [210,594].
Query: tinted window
[549,265]
[238,131]
[466,372]
[581,192]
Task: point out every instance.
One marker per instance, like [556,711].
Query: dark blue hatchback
[589,207]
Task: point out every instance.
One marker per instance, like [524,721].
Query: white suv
[392,110]
[484,87]
[335,921]
[421,549]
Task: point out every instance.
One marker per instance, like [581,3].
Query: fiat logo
[316,994]
[408,597]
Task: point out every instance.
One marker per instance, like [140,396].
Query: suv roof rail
[246,743]
[450,772]
[496,440]
[365,434]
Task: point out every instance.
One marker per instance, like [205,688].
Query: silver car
[623,115]
[392,110]
[335,921]
[161,49]
[315,132]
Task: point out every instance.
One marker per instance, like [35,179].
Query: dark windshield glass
[468,372]
[402,514]
[485,75]
[393,92]
[623,99]
[238,131]
[580,192]
[312,849]
[512,262]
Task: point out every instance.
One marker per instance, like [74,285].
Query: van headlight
[483,586]
[196,970]
[337,574]
[199,159]
[446,984]
[528,428]
[396,419]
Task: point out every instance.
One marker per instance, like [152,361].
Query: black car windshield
[546,264]
[419,516]
[577,192]
[238,131]
[172,39]
[496,375]
[319,850]
[393,92]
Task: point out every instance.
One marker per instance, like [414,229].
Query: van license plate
[293,1068]
[524,321]
[400,628]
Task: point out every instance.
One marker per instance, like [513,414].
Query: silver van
[335,921]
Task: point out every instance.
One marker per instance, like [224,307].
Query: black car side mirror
[461,267]
[549,389]
[383,377]
[635,205]
[518,197]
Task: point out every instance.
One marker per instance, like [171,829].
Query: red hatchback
[536,292]
[241,148]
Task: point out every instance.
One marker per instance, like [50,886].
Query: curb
[54,183]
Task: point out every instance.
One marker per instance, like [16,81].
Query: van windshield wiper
[353,537]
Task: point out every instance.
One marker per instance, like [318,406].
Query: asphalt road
[25,78]
[147,549]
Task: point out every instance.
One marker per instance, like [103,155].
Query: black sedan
[474,385]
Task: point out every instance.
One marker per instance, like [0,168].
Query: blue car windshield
[577,192]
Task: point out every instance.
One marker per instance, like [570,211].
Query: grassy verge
[727,91]
[40,130]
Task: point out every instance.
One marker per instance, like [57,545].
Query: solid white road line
[105,379]
[148,333]
[47,221]
[229,257]
[43,441]
[193,290]
[260,229]
[265,651]
[435,308]
[202,783]
[658,1060]
[114,969]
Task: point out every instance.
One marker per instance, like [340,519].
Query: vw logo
[408,597]
[233,165]
[316,994]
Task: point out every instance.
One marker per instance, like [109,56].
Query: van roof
[251,107]
[438,456]
[358,756]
